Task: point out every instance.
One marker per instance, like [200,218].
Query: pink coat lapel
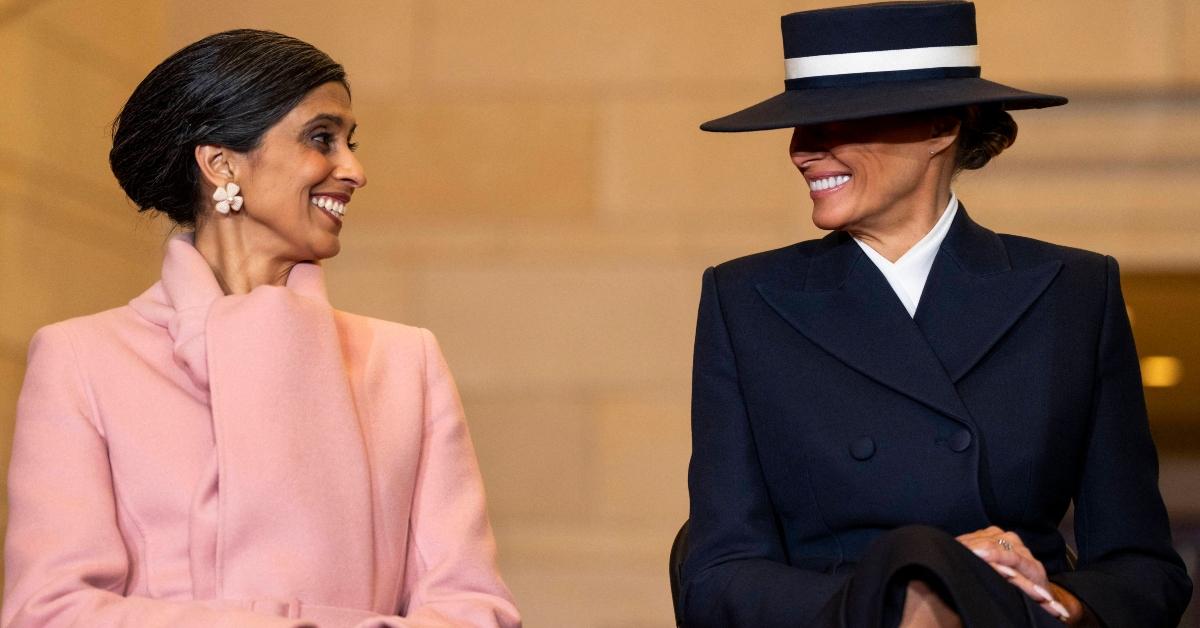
[288,493]
[294,485]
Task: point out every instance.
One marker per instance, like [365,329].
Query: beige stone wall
[541,198]
[69,242]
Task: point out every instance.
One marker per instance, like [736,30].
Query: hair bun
[985,132]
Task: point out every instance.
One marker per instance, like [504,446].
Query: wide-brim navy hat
[868,60]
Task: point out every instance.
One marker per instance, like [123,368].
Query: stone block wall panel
[1088,43]
[567,329]
[375,41]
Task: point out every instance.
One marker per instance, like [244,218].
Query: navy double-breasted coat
[824,415]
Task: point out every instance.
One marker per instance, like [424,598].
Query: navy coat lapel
[973,295]
[847,308]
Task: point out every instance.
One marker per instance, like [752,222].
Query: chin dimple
[332,205]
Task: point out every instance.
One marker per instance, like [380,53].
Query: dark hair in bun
[985,131]
[227,90]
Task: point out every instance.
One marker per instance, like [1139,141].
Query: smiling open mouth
[828,183]
[333,206]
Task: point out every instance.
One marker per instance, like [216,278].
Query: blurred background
[541,198]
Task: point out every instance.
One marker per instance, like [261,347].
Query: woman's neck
[238,260]
[900,229]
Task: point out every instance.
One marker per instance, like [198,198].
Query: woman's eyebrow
[328,117]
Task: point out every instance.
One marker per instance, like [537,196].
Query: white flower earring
[227,198]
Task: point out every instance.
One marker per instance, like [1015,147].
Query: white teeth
[331,205]
[828,182]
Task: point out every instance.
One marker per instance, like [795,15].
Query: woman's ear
[944,131]
[216,167]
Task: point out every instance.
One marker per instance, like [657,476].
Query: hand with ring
[1007,554]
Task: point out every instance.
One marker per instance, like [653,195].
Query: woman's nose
[351,170]
[803,151]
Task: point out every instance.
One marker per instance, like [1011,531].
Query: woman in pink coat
[228,449]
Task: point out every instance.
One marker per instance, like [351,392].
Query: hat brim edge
[794,108]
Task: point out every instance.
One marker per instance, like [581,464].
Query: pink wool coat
[196,459]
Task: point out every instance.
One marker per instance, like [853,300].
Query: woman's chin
[329,252]
[828,220]
[326,247]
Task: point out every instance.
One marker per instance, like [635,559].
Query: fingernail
[1006,570]
[1045,594]
[982,553]
[1061,610]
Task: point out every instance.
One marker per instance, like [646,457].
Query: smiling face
[874,175]
[298,181]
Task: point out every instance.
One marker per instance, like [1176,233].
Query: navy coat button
[960,440]
[862,448]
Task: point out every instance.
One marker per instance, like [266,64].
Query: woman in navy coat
[889,423]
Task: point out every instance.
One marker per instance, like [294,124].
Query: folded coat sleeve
[736,572]
[1128,573]
[451,578]
[64,558]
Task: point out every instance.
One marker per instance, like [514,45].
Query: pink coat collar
[181,300]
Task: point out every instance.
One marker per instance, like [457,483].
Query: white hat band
[882,61]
